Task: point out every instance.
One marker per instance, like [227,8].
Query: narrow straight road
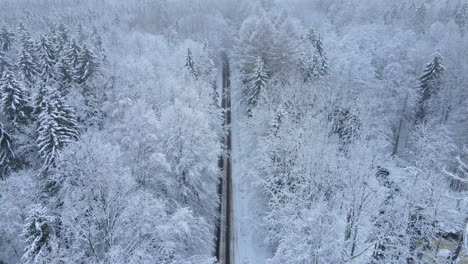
[224,244]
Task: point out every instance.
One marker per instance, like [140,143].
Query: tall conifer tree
[430,84]
[190,64]
[258,82]
[6,152]
[6,39]
[57,126]
[14,101]
[87,65]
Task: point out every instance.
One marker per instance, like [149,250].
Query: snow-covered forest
[349,131]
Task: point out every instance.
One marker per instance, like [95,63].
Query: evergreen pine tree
[206,66]
[6,152]
[59,46]
[6,39]
[39,237]
[430,84]
[68,54]
[208,72]
[4,64]
[314,69]
[26,41]
[47,59]
[72,55]
[40,100]
[258,81]
[21,28]
[310,36]
[53,37]
[14,101]
[96,38]
[28,61]
[304,66]
[57,126]
[81,34]
[313,61]
[48,140]
[65,118]
[58,38]
[63,33]
[27,67]
[65,74]
[323,68]
[99,45]
[87,66]
[190,64]
[319,45]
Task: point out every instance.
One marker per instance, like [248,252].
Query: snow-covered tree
[431,148]
[206,64]
[257,84]
[274,38]
[98,43]
[4,64]
[6,152]
[26,40]
[421,232]
[63,33]
[27,67]
[39,235]
[82,36]
[191,155]
[105,212]
[387,234]
[47,59]
[277,120]
[256,40]
[345,124]
[279,162]
[14,100]
[430,84]
[7,39]
[87,65]
[458,177]
[72,54]
[21,28]
[57,126]
[15,208]
[141,186]
[190,64]
[313,61]
[39,102]
[65,74]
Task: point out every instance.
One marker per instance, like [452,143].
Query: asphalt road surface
[224,243]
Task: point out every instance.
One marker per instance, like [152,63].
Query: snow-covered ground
[249,246]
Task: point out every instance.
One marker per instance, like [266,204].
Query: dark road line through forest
[224,232]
